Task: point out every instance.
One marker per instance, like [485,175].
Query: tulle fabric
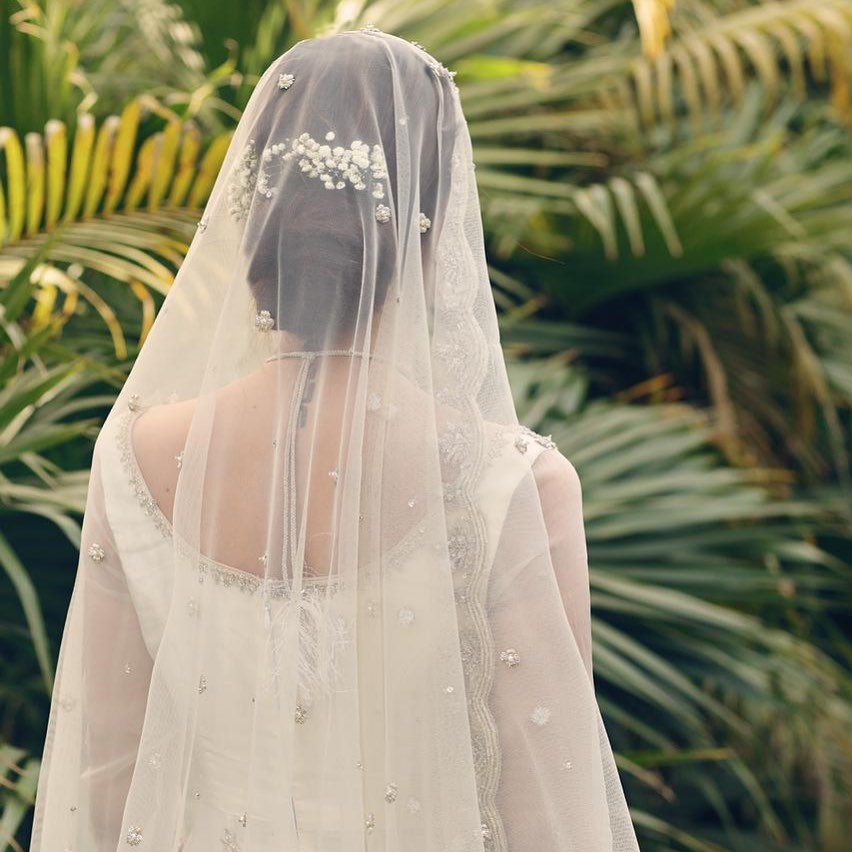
[331,595]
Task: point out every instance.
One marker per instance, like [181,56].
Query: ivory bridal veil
[331,596]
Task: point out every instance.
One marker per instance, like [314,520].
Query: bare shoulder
[556,476]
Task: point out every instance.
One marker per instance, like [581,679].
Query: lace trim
[460,358]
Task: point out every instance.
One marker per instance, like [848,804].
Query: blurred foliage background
[666,188]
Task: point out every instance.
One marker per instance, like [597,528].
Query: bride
[331,595]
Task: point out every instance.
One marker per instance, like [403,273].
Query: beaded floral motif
[527,435]
[134,835]
[242,182]
[383,213]
[425,223]
[96,552]
[263,321]
[285,81]
[510,657]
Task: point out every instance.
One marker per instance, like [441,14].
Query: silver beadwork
[301,714]
[425,223]
[263,321]
[96,552]
[134,835]
[510,657]
[285,81]
[383,213]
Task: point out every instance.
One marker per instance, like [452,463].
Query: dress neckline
[224,571]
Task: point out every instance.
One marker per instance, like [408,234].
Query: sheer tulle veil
[331,595]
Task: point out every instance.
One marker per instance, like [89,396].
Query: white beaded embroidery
[134,835]
[425,223]
[383,213]
[285,81]
[510,657]
[229,841]
[413,805]
[96,552]
[242,182]
[179,459]
[406,616]
[202,684]
[263,321]
[133,402]
[155,760]
[301,714]
[370,822]
[390,792]
[541,715]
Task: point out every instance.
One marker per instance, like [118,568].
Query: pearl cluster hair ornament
[263,321]
[337,167]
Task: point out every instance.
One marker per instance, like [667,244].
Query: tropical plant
[665,188]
